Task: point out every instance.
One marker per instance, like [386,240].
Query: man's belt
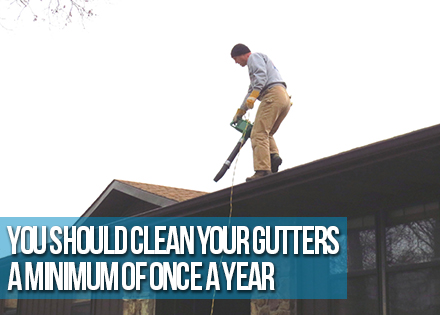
[267,87]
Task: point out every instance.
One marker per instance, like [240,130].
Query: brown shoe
[275,162]
[258,174]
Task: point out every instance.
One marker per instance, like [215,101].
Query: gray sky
[147,90]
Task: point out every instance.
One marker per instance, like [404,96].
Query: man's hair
[239,50]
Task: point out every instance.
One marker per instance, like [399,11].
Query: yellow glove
[252,98]
[238,115]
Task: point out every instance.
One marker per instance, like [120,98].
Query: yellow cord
[230,204]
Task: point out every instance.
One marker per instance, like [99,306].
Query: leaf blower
[245,127]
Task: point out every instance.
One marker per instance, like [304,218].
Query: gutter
[373,153]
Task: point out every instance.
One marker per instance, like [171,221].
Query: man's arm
[257,66]
[258,76]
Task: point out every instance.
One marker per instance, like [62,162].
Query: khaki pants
[274,106]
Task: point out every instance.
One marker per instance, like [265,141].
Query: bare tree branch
[55,12]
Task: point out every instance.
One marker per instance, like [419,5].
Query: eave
[387,174]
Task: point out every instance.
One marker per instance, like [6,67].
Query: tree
[54,12]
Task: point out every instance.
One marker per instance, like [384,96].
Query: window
[362,292]
[413,260]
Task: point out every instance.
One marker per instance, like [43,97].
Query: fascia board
[131,191]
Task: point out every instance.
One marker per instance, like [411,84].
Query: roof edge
[357,157]
[135,192]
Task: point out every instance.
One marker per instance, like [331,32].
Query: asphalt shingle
[178,194]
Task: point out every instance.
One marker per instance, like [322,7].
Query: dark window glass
[361,244]
[362,298]
[362,291]
[413,235]
[414,292]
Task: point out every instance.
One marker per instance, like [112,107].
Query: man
[267,86]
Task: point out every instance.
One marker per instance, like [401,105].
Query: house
[389,191]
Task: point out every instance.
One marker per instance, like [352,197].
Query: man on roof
[267,86]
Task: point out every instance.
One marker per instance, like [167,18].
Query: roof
[382,175]
[177,194]
[126,198]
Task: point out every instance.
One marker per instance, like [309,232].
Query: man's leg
[284,104]
[272,110]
